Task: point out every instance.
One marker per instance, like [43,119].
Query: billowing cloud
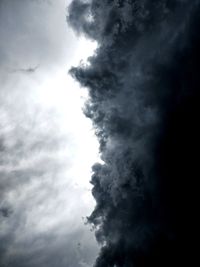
[143,84]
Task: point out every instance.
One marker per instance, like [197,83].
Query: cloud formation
[43,170]
[143,84]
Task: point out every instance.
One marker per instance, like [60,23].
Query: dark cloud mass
[143,83]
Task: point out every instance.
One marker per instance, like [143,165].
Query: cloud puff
[143,84]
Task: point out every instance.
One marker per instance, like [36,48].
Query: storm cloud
[143,84]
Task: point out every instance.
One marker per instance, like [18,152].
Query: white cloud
[47,146]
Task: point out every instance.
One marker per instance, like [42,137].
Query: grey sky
[44,170]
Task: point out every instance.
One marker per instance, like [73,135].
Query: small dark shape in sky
[27,70]
[5,212]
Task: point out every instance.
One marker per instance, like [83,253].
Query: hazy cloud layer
[44,195]
[143,84]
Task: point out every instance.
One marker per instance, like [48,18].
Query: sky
[44,186]
[99,136]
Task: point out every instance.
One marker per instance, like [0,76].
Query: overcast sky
[143,104]
[44,170]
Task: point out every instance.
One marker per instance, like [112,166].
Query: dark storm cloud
[143,84]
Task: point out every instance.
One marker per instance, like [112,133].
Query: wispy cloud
[41,208]
[28,70]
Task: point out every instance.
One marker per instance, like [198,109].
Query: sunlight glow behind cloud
[47,144]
